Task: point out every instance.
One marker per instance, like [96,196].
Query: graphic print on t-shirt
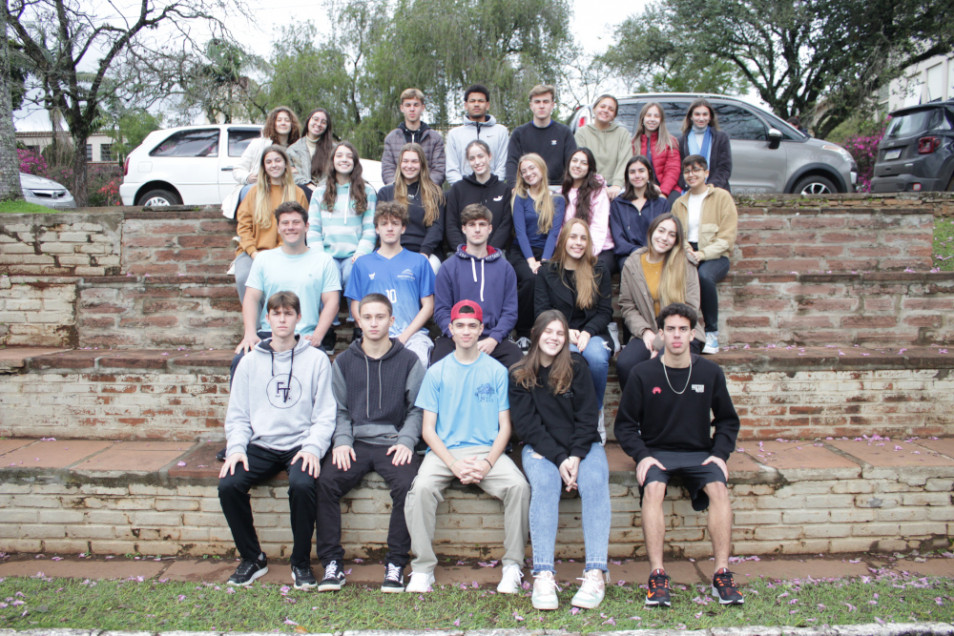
[282,394]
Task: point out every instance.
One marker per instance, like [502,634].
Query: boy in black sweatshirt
[375,383]
[664,422]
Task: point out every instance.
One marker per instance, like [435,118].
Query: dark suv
[768,155]
[917,151]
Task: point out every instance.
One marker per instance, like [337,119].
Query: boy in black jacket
[664,422]
[375,383]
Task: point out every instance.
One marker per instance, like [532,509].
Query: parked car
[768,154]
[192,165]
[916,152]
[43,191]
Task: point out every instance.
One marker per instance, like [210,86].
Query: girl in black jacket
[701,136]
[554,412]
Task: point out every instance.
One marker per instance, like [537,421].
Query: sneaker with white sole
[591,591]
[524,343]
[420,582]
[544,591]
[334,578]
[304,578]
[393,578]
[712,342]
[247,571]
[510,579]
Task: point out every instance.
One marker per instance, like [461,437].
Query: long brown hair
[358,196]
[713,120]
[269,130]
[542,198]
[663,140]
[323,146]
[526,372]
[592,185]
[672,281]
[587,285]
[432,197]
[262,211]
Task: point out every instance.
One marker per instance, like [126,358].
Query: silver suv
[768,154]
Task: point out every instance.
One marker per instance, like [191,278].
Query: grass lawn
[22,207]
[158,605]
[944,244]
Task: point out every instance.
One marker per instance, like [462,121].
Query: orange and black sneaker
[658,593]
[723,586]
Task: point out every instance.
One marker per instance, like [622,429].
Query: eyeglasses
[693,170]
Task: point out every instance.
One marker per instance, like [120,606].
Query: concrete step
[864,494]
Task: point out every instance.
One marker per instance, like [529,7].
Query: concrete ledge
[840,495]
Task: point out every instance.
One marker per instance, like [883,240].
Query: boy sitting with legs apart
[375,383]
[665,422]
[466,423]
[281,416]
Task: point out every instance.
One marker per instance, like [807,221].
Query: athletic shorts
[688,471]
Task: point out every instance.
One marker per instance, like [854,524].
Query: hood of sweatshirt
[373,372]
[490,121]
[492,181]
[414,136]
[480,279]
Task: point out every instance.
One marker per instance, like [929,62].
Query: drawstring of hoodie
[367,382]
[473,269]
[290,367]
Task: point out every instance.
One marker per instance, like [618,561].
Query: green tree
[130,128]
[218,82]
[823,60]
[74,55]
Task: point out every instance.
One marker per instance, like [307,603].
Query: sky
[593,30]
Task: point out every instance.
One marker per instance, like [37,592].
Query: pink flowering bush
[864,149]
[31,162]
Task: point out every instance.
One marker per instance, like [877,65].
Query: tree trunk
[80,184]
[9,163]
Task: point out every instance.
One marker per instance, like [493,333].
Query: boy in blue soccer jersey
[466,423]
[404,277]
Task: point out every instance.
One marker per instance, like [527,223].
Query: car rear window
[189,143]
[911,123]
[239,139]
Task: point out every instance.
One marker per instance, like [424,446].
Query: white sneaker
[712,342]
[544,591]
[510,579]
[591,591]
[420,582]
[613,329]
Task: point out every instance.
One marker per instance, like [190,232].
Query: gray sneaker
[712,342]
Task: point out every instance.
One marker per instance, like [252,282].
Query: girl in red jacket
[654,142]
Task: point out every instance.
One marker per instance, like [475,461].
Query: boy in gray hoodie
[375,382]
[281,416]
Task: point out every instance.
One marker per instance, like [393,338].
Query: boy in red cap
[466,423]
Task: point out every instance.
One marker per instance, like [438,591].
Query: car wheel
[815,184]
[159,198]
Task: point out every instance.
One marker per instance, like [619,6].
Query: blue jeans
[597,355]
[710,273]
[545,488]
[345,265]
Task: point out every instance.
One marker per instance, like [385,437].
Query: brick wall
[148,312]
[836,510]
[37,311]
[161,243]
[68,243]
[182,395]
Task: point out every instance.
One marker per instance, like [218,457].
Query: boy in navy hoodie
[375,382]
[481,273]
[281,416]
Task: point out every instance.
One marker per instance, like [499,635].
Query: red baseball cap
[478,313]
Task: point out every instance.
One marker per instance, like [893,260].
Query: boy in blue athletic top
[404,277]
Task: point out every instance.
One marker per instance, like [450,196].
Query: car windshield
[909,123]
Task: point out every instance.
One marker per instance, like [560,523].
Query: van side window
[740,123]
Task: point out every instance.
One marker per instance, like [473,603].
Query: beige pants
[504,481]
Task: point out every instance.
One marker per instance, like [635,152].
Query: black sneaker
[334,578]
[221,454]
[393,578]
[304,578]
[723,586]
[658,593]
[356,334]
[248,571]
[329,341]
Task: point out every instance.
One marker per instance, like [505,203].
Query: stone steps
[159,498]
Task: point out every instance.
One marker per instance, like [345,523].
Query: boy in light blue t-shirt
[466,423]
[403,276]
